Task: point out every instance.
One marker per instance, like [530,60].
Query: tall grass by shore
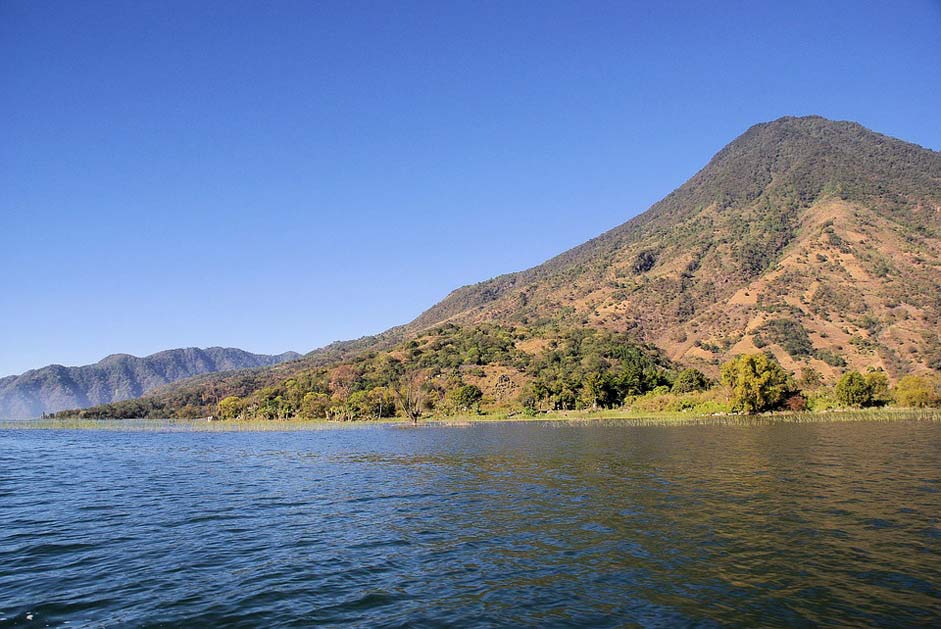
[612,417]
[670,419]
[181,425]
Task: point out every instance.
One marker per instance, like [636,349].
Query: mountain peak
[741,228]
[799,159]
[809,124]
[113,358]
[807,132]
[809,120]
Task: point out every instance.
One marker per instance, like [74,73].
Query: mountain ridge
[117,377]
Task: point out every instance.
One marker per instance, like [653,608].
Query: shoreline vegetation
[535,371]
[609,417]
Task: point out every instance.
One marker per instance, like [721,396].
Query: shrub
[831,358]
[789,334]
[644,261]
[695,403]
[821,401]
[796,403]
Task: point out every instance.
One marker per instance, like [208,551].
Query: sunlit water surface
[499,524]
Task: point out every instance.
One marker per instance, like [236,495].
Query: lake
[508,524]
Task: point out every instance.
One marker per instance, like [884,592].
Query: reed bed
[561,418]
[687,419]
[182,425]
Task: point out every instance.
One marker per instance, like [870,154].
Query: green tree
[758,383]
[878,384]
[357,406]
[383,402]
[315,405]
[466,398]
[690,380]
[230,407]
[810,379]
[594,391]
[271,404]
[853,390]
[918,391]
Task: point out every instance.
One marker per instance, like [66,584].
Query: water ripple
[502,524]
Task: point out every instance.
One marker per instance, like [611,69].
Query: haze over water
[530,523]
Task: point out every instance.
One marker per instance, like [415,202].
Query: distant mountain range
[117,377]
[813,240]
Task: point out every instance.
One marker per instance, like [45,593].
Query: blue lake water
[503,524]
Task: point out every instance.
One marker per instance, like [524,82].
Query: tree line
[451,370]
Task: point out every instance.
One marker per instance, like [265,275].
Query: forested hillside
[446,369]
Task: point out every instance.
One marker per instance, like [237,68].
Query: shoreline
[561,417]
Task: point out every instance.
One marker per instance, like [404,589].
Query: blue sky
[279,175]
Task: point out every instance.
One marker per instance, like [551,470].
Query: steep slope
[117,377]
[817,240]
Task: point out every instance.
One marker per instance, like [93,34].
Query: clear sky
[279,175]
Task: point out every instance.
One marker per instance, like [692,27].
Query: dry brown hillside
[817,240]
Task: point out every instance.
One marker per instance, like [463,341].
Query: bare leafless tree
[406,383]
